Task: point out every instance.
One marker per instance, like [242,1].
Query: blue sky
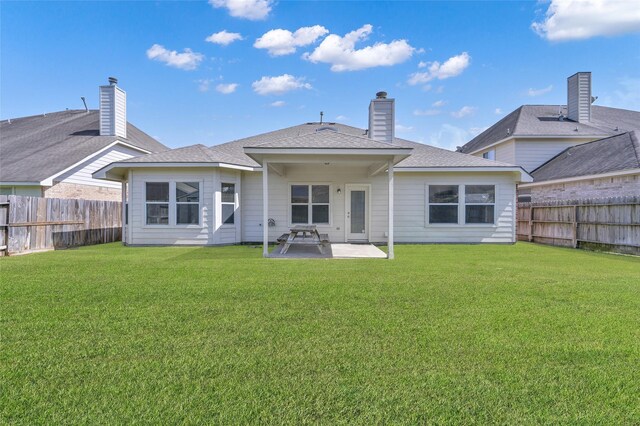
[454,68]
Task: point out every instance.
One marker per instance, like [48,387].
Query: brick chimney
[579,97]
[382,118]
[113,110]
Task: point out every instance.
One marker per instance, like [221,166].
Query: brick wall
[87,192]
[620,186]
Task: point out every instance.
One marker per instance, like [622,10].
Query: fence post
[575,227]
[530,236]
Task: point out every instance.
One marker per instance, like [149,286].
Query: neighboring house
[53,155]
[609,167]
[355,185]
[532,135]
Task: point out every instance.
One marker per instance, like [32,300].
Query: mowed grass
[442,334]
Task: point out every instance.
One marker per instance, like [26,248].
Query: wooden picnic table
[304,235]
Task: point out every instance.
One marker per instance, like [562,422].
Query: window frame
[177,203]
[234,203]
[461,205]
[490,155]
[310,203]
[173,213]
[495,193]
[146,205]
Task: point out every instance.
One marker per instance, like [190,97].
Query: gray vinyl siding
[81,174]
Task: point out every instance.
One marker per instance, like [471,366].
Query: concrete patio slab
[331,251]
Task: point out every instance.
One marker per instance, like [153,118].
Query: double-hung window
[479,203]
[461,204]
[172,203]
[443,203]
[157,203]
[310,204]
[187,203]
[228,202]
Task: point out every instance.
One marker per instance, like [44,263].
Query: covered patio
[331,162]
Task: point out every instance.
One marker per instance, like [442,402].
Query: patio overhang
[377,159]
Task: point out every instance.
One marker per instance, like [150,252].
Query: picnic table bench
[303,235]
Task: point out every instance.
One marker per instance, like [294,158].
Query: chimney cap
[381,95]
[113,81]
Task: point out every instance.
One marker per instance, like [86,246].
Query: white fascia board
[103,172]
[329,151]
[579,178]
[524,176]
[484,148]
[19,183]
[49,181]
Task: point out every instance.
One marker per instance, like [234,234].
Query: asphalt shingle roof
[37,147]
[620,152]
[542,120]
[315,135]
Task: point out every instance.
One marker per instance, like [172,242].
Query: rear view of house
[355,185]
[53,155]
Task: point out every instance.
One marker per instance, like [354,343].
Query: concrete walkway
[331,251]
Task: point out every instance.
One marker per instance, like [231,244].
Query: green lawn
[443,334]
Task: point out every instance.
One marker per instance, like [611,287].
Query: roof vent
[381,95]
[508,131]
[323,128]
[113,81]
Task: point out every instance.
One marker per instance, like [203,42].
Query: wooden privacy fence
[29,224]
[611,224]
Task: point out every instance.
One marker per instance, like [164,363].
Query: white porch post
[124,213]
[265,208]
[390,254]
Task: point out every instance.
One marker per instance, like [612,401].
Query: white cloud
[422,64]
[537,92]
[426,112]
[283,42]
[254,10]
[464,111]
[498,111]
[227,89]
[452,67]
[278,104]
[341,53]
[187,60]
[342,118]
[279,85]
[223,38]
[449,137]
[204,85]
[438,104]
[582,19]
[403,129]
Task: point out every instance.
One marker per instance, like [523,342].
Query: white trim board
[579,178]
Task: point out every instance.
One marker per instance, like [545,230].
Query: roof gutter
[579,178]
[524,176]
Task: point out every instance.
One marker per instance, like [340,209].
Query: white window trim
[310,204]
[461,206]
[173,204]
[491,154]
[235,204]
[494,204]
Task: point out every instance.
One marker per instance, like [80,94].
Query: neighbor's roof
[616,153]
[316,135]
[542,120]
[35,148]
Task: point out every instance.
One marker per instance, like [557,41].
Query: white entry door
[357,212]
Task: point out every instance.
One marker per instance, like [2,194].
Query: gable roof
[542,120]
[620,152]
[35,148]
[316,135]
